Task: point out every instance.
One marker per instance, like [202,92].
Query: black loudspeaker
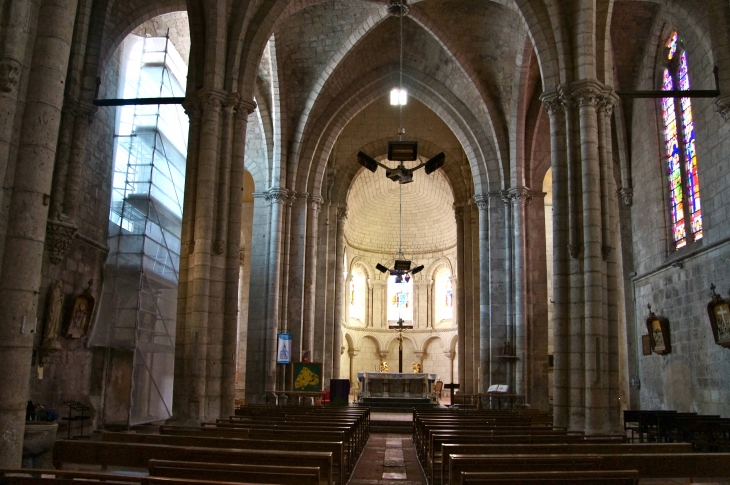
[339,392]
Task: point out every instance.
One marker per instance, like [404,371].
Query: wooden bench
[336,448]
[224,472]
[64,477]
[448,449]
[138,455]
[622,477]
[266,434]
[649,465]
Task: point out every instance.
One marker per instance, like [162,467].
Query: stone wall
[695,376]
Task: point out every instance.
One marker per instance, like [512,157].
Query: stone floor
[388,459]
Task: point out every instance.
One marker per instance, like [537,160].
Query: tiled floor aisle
[388,459]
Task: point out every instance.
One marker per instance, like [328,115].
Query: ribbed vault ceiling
[428,216]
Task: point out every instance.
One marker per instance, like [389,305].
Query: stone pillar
[232,219]
[321,292]
[485,345]
[277,197]
[459,290]
[23,257]
[561,291]
[185,344]
[327,258]
[467,314]
[498,281]
[379,292]
[520,197]
[612,256]
[588,95]
[14,56]
[310,273]
[369,304]
[352,353]
[509,300]
[339,291]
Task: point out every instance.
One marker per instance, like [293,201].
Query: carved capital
[459,213]
[722,106]
[276,195]
[608,102]
[219,246]
[482,202]
[192,108]
[244,109]
[10,69]
[584,93]
[552,103]
[58,239]
[341,214]
[315,202]
[575,250]
[212,100]
[520,195]
[627,194]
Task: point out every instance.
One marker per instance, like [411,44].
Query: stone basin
[38,439]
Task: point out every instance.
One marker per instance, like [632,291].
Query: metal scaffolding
[139,300]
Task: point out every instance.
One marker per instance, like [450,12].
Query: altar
[396,385]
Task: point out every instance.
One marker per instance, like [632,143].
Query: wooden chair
[438,387]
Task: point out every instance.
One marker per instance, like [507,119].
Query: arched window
[400,300]
[443,295]
[357,296]
[679,135]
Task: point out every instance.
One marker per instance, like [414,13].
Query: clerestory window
[679,135]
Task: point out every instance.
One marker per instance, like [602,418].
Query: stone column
[201,259]
[353,375]
[14,56]
[321,292]
[588,94]
[612,257]
[485,344]
[369,304]
[277,197]
[509,300]
[378,319]
[346,304]
[233,263]
[23,257]
[561,292]
[520,197]
[339,291]
[310,273]
[459,290]
[467,314]
[185,345]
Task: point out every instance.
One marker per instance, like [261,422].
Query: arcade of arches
[562,211]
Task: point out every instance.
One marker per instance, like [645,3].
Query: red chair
[326,397]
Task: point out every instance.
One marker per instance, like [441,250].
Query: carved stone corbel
[58,239]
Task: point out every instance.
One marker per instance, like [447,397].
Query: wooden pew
[623,477]
[137,455]
[224,472]
[447,449]
[336,448]
[653,465]
[295,434]
[57,477]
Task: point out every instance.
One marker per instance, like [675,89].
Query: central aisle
[388,459]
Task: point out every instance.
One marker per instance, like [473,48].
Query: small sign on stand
[283,352]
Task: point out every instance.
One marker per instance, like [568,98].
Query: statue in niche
[53,319]
[80,316]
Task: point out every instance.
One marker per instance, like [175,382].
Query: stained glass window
[357,297]
[444,295]
[679,136]
[400,296]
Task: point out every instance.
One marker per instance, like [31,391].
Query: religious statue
[507,348]
[80,316]
[383,367]
[53,319]
[417,369]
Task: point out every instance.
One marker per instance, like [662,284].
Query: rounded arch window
[443,295]
[400,299]
[357,296]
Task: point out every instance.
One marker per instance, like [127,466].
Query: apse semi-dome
[428,218]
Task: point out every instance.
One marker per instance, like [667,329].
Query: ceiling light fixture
[401,151]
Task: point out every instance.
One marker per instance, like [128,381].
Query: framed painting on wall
[659,333]
[719,313]
[306,377]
